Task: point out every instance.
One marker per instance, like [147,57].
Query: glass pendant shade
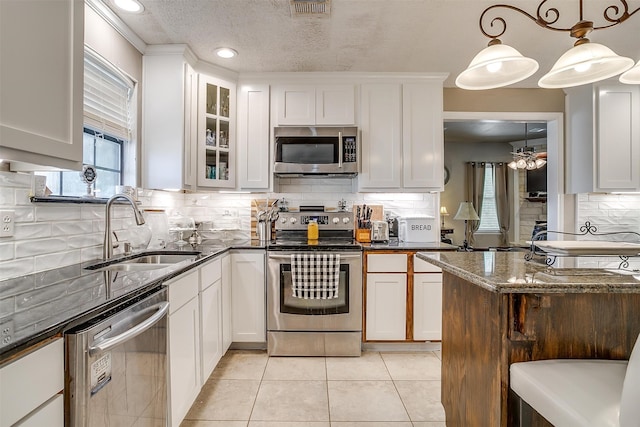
[540,163]
[512,164]
[496,66]
[583,64]
[632,76]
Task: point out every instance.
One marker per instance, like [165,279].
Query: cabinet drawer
[387,263]
[422,266]
[50,415]
[182,290]
[30,381]
[210,273]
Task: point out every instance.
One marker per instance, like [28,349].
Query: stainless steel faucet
[107,251]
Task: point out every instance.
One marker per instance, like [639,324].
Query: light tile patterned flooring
[378,389]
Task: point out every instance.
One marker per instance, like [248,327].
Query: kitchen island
[499,309]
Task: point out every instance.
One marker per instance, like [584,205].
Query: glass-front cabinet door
[216,133]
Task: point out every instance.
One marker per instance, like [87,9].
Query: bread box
[418,229]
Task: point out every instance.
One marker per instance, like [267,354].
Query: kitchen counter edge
[509,272]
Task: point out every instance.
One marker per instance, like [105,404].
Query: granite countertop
[508,272]
[41,305]
[409,246]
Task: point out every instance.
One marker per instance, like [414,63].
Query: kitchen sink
[160,259]
[144,261]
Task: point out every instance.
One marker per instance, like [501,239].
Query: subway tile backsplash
[53,235]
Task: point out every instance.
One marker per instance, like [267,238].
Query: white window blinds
[107,97]
[489,213]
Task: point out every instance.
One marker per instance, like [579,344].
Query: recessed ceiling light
[129,5]
[226,52]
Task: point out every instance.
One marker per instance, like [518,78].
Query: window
[489,212]
[108,105]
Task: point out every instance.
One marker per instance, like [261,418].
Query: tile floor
[378,389]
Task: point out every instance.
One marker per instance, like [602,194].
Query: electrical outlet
[7,223]
[6,333]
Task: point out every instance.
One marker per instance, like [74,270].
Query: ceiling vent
[310,7]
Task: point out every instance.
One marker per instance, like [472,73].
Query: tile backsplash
[52,235]
[609,213]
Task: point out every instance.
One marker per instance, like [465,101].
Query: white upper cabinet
[422,136]
[402,136]
[168,119]
[216,133]
[41,107]
[253,136]
[330,104]
[380,139]
[603,138]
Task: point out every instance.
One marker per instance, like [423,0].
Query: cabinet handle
[340,149]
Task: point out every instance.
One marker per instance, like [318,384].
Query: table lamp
[467,213]
[443,213]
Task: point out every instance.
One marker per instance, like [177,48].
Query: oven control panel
[326,220]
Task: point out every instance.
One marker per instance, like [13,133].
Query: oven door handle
[274,256]
[104,345]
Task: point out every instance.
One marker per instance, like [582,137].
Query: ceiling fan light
[540,163]
[583,64]
[531,164]
[631,76]
[496,66]
[512,165]
[521,163]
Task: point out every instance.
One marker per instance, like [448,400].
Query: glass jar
[312,230]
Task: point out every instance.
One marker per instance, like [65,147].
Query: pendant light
[495,66]
[585,62]
[632,76]
[500,65]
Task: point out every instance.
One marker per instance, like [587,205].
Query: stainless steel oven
[314,327]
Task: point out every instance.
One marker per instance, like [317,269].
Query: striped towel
[315,275]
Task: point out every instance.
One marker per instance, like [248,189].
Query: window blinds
[107,97]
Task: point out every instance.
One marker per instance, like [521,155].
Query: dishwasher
[116,366]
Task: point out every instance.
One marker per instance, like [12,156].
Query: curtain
[502,200]
[475,192]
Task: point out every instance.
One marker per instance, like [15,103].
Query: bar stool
[581,392]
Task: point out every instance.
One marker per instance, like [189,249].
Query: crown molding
[112,19]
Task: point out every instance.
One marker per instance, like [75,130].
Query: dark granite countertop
[408,246]
[508,272]
[41,305]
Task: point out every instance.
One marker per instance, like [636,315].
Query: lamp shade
[466,212]
[495,66]
[583,64]
[632,76]
[443,211]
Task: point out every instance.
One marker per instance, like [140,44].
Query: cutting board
[377,213]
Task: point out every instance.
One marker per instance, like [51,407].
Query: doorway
[554,166]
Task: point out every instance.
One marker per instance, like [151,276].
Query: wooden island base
[485,331]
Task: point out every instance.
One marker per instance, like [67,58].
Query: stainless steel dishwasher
[116,367]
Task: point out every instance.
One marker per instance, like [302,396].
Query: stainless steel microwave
[316,151]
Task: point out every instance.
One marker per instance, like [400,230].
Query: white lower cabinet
[184,344]
[210,316]
[227,327]
[404,300]
[248,296]
[427,301]
[386,306]
[31,388]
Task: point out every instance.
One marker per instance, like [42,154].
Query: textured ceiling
[366,35]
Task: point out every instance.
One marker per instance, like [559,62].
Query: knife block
[363,235]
